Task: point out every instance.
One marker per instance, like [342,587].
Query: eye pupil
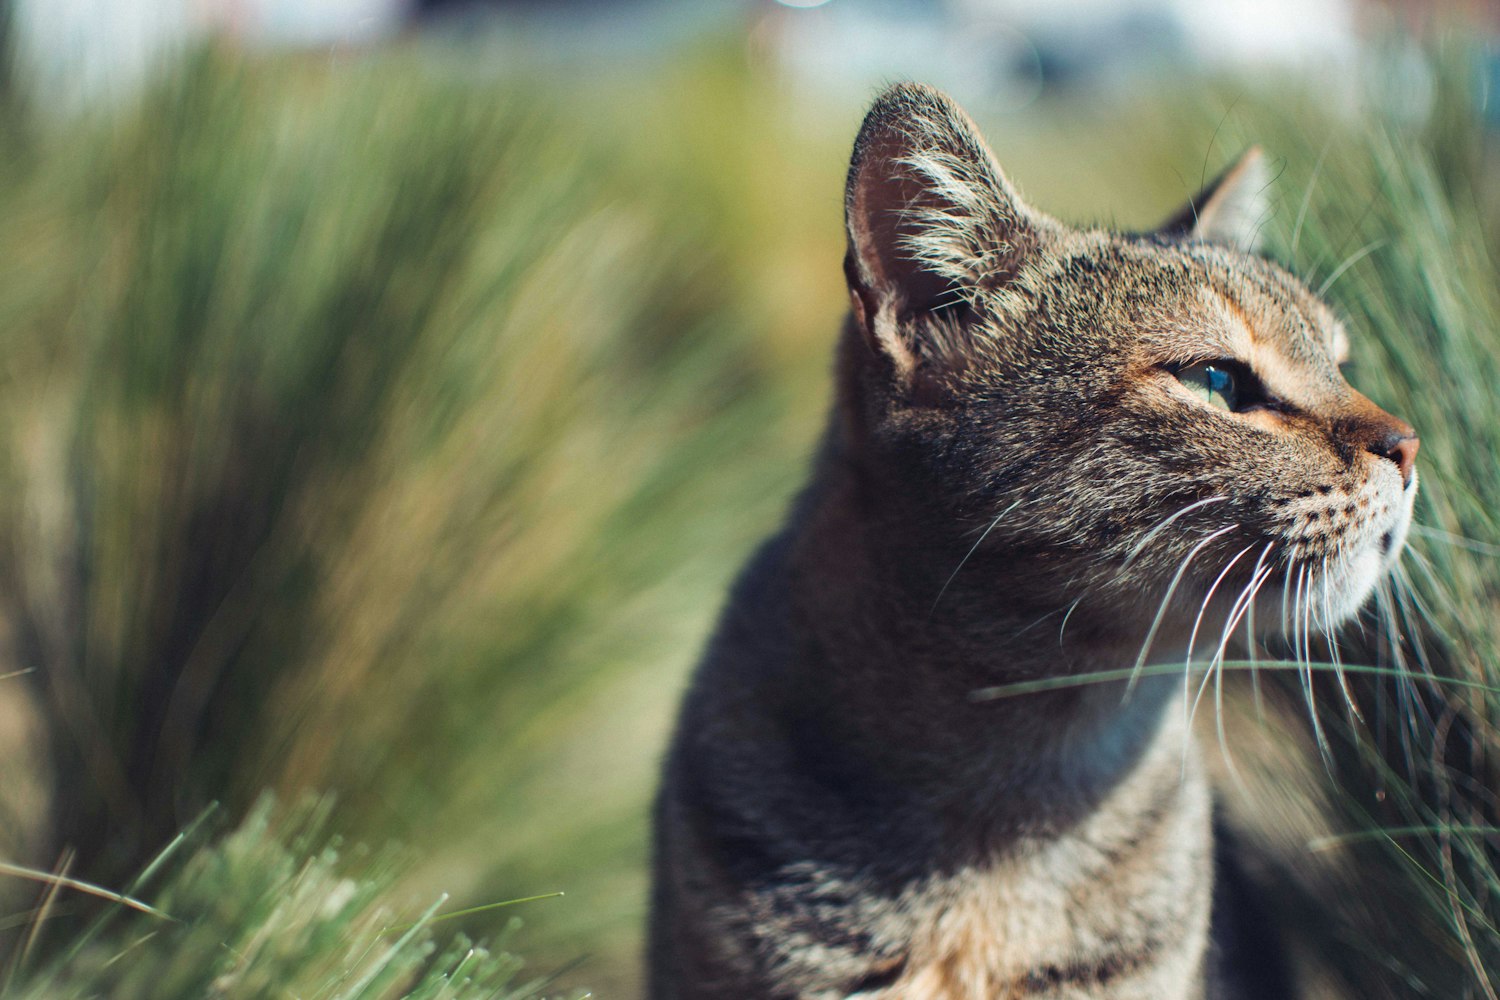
[1217,384]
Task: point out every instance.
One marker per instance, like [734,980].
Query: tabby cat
[1054,452]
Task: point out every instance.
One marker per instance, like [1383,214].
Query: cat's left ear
[1231,210]
[933,227]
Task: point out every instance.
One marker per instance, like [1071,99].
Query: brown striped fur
[1015,485]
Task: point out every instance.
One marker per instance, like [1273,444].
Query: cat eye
[1224,384]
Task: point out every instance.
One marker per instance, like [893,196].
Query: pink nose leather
[1400,448]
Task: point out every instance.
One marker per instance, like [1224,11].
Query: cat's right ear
[1231,210]
[932,225]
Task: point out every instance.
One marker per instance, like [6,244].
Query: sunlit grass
[1391,218]
[268,910]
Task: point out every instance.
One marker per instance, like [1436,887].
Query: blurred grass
[370,430]
[377,428]
[1400,229]
[268,910]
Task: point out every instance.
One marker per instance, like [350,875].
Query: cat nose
[1367,426]
[1400,446]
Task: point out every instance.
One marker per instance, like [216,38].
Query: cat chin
[1337,590]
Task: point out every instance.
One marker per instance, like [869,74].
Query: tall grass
[267,910]
[371,431]
[1399,230]
[370,428]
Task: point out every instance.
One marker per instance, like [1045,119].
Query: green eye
[1216,384]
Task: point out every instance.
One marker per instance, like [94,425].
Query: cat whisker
[1208,597]
[1259,574]
[1407,623]
[1330,637]
[1268,214]
[1064,626]
[1302,652]
[1231,622]
[1065,610]
[967,555]
[1455,540]
[1405,703]
[1288,606]
[1302,647]
[1310,619]
[1412,706]
[1187,663]
[1349,262]
[1312,183]
[1161,611]
[1414,611]
[1289,611]
[1146,539]
[1438,587]
[1203,173]
[1258,580]
[1252,646]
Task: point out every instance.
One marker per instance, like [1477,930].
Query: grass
[389,439]
[374,429]
[266,910]
[1394,220]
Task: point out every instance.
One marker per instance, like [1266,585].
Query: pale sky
[82,49]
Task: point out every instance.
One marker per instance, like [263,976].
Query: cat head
[1155,419]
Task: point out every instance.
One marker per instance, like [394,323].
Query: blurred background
[389,390]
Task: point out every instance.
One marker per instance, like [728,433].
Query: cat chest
[1110,914]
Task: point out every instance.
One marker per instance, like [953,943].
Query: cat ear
[1231,210]
[932,223]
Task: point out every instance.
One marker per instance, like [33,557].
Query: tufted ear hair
[932,224]
[1231,210]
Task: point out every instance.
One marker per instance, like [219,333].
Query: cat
[1053,452]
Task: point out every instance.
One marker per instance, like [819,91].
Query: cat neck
[898,656]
